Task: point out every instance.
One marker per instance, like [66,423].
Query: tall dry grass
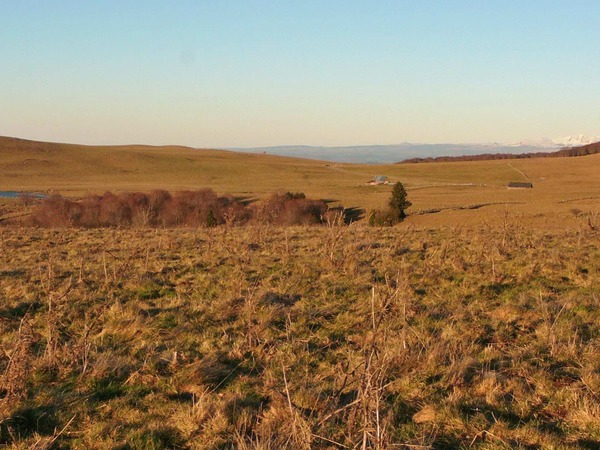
[300,337]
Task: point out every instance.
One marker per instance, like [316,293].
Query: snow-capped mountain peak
[566,141]
[576,140]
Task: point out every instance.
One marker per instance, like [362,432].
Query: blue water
[14,194]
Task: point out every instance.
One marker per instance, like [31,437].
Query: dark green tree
[399,202]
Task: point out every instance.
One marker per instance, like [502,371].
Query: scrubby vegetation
[160,209]
[397,206]
[292,209]
[303,337]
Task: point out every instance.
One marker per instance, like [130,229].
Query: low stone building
[378,180]
[520,185]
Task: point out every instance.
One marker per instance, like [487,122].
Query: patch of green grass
[106,389]
[153,439]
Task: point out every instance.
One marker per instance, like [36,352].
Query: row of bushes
[179,209]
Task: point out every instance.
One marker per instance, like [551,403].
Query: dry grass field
[317,337]
[475,323]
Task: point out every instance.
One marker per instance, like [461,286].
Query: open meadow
[451,193]
[180,270]
[475,323]
[301,337]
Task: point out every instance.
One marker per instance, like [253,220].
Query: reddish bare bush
[90,211]
[156,209]
[114,211]
[138,204]
[292,209]
[57,211]
[157,201]
[192,209]
[236,213]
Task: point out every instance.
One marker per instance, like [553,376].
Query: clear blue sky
[252,73]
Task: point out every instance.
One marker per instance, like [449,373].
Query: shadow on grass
[512,419]
[24,422]
[19,311]
[161,438]
[15,273]
[591,444]
[218,370]
[353,214]
[495,289]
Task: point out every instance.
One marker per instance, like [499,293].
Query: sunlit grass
[322,337]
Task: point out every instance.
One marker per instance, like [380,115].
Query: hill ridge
[584,150]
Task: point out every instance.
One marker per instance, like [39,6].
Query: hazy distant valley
[386,154]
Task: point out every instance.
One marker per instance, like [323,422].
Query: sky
[257,73]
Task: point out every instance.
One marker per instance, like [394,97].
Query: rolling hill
[442,192]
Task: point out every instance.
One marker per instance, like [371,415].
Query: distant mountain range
[567,141]
[386,154]
[589,149]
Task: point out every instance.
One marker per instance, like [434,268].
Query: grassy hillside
[563,187]
[77,169]
[474,323]
[300,338]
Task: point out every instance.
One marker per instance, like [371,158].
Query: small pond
[15,194]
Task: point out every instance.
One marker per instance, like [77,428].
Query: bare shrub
[57,211]
[113,211]
[292,209]
[91,211]
[27,199]
[158,208]
[379,218]
[157,201]
[140,209]
[182,210]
